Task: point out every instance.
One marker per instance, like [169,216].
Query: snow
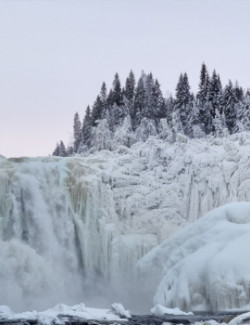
[205,266]
[119,310]
[87,221]
[241,319]
[160,310]
[55,315]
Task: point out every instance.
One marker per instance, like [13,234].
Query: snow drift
[73,229]
[206,265]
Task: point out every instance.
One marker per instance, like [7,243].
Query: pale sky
[55,54]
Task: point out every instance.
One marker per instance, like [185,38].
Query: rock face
[73,229]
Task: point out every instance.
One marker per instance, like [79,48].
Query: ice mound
[160,310]
[119,310]
[206,265]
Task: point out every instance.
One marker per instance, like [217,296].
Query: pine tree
[86,129]
[77,131]
[103,93]
[183,106]
[117,91]
[140,96]
[220,127]
[101,137]
[56,152]
[129,90]
[60,150]
[159,103]
[203,85]
[239,93]
[230,101]
[205,100]
[244,114]
[215,94]
[148,105]
[97,111]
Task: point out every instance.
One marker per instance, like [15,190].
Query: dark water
[136,320]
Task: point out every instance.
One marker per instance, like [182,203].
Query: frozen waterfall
[73,229]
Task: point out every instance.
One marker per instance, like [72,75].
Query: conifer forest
[126,114]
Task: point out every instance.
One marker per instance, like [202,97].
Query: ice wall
[72,227]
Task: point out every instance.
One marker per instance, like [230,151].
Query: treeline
[125,115]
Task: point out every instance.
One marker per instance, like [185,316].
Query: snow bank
[206,265]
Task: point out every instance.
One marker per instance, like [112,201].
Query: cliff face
[73,229]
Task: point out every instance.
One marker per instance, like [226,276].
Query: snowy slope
[73,229]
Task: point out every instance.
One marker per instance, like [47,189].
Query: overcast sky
[54,56]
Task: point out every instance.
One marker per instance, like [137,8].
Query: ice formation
[160,310]
[60,313]
[206,265]
[74,226]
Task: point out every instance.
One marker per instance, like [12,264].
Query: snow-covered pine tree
[104,101]
[183,105]
[204,101]
[230,102]
[117,97]
[103,93]
[169,107]
[86,131]
[149,105]
[203,85]
[140,95]
[101,136]
[56,151]
[146,128]
[60,150]
[96,113]
[158,100]
[244,113]
[215,93]
[220,127]
[124,135]
[129,90]
[77,131]
[117,111]
[239,92]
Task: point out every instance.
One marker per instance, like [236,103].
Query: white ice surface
[206,265]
